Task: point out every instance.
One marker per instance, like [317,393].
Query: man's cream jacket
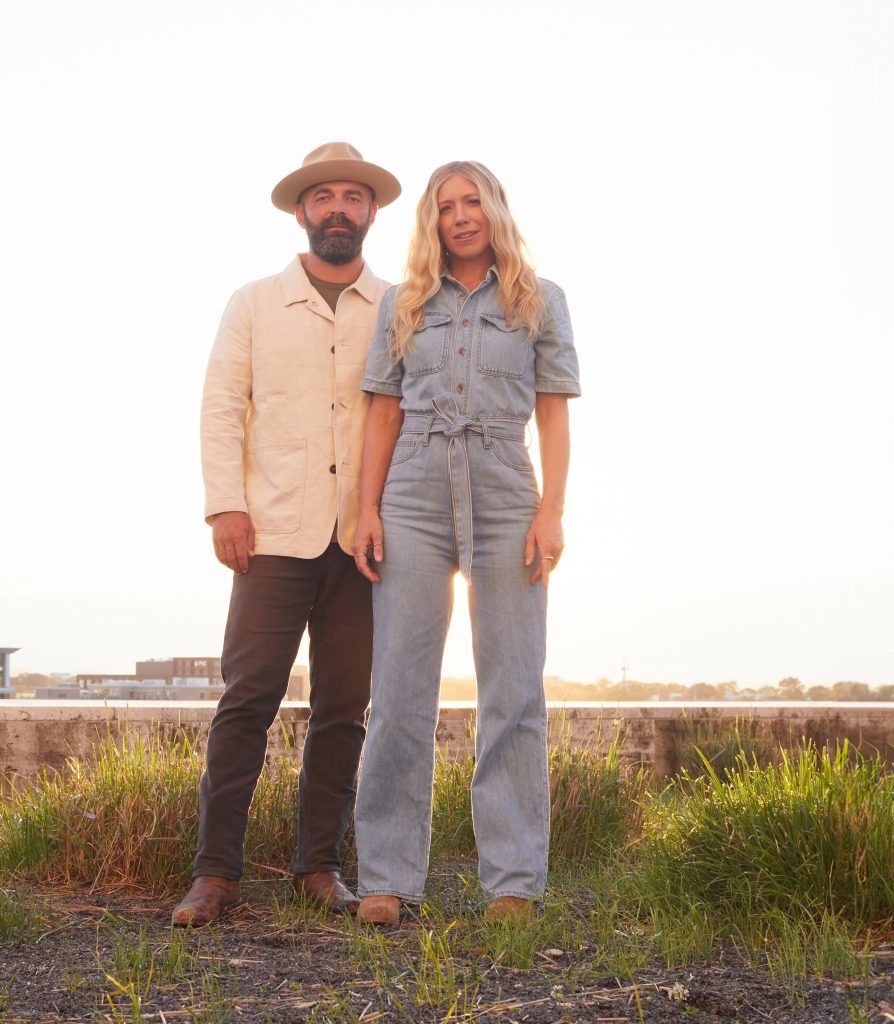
[283,413]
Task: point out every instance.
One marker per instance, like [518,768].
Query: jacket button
[459,388]
[465,323]
[332,350]
[332,469]
[461,350]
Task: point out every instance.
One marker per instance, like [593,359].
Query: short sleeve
[383,376]
[555,360]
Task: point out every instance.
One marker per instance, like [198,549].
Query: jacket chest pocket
[503,351]
[428,353]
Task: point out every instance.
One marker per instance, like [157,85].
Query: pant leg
[411,614]
[510,787]
[269,608]
[340,629]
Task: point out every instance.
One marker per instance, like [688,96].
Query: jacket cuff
[215,505]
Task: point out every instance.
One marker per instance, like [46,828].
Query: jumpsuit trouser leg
[411,610]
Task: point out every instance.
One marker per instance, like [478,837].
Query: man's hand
[234,540]
[546,539]
[368,535]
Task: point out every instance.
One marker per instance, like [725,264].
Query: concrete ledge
[37,734]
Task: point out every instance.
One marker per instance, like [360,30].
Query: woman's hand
[368,536]
[546,539]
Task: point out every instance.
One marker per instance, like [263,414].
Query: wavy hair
[427,260]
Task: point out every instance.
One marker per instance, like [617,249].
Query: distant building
[160,679]
[5,677]
[181,670]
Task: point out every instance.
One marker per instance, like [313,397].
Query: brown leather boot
[504,907]
[208,898]
[325,890]
[383,910]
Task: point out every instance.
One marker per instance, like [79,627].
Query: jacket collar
[296,287]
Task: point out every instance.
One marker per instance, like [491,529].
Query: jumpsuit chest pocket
[428,353]
[503,351]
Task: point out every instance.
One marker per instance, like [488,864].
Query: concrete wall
[35,734]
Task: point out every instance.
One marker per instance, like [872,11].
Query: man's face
[336,216]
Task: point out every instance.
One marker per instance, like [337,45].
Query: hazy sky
[709,182]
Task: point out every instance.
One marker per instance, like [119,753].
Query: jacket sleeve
[225,403]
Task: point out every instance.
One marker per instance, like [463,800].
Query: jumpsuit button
[332,350]
[461,350]
[465,323]
[332,406]
[332,469]
[459,388]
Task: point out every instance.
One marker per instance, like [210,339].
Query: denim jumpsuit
[461,494]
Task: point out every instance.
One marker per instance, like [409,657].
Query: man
[282,424]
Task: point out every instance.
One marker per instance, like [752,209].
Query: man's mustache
[338,220]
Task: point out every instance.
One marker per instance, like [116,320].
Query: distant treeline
[631,689]
[605,689]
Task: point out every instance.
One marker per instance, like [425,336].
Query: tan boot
[504,907]
[208,898]
[383,910]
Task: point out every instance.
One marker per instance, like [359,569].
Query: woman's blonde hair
[427,259]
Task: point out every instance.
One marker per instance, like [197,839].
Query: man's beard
[339,248]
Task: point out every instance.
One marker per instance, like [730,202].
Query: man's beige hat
[334,161]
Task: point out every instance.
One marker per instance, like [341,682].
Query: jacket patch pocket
[502,350]
[274,485]
[428,351]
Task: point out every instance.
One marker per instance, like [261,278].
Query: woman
[464,351]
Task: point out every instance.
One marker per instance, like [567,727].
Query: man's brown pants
[269,609]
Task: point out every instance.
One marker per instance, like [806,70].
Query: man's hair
[427,259]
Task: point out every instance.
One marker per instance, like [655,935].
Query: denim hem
[390,892]
[534,897]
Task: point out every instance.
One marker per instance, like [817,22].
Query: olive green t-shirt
[327,289]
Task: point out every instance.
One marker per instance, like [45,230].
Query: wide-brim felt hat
[335,161]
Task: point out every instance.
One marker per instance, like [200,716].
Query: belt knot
[448,409]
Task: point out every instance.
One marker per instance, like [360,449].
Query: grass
[719,746]
[785,859]
[811,834]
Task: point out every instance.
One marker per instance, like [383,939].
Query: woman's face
[464,230]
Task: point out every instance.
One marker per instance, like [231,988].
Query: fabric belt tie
[449,421]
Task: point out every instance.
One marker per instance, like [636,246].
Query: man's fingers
[230,555]
[241,553]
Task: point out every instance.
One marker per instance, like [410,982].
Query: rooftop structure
[5,677]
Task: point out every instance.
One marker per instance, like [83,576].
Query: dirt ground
[270,964]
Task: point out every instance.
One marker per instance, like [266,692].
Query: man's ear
[373,210]
[299,215]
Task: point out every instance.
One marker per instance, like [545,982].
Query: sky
[708,181]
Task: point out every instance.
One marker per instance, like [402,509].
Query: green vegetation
[783,859]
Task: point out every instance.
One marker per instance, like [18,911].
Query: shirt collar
[491,275]
[297,288]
